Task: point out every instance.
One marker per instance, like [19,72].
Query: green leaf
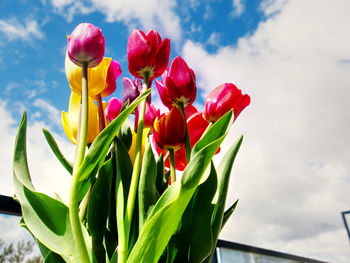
[219,127]
[98,208]
[147,190]
[224,172]
[162,180]
[20,164]
[46,218]
[54,147]
[110,243]
[196,220]
[53,258]
[100,146]
[166,214]
[228,213]
[125,135]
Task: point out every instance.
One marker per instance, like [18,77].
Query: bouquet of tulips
[126,203]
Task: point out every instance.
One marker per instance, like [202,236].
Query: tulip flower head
[70,119]
[97,76]
[169,130]
[147,54]
[197,125]
[113,109]
[178,84]
[86,44]
[222,99]
[114,71]
[151,113]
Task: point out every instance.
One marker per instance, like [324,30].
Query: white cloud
[70,8]
[53,114]
[238,8]
[292,174]
[12,29]
[47,173]
[214,39]
[148,14]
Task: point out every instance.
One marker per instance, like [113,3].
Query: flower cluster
[126,204]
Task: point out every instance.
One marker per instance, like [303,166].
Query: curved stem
[79,157]
[172,166]
[101,113]
[135,172]
[187,135]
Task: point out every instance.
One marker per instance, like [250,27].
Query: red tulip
[147,54]
[178,84]
[151,113]
[169,130]
[196,127]
[114,71]
[86,44]
[113,109]
[222,99]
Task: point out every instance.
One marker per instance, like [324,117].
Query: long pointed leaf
[54,147]
[147,192]
[193,240]
[224,172]
[41,212]
[101,144]
[219,127]
[158,227]
[228,213]
[98,209]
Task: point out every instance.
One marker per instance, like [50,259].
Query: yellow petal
[96,76]
[66,127]
[70,120]
[133,144]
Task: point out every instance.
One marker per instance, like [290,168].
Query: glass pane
[229,255]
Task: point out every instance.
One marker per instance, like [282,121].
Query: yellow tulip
[70,119]
[133,144]
[96,76]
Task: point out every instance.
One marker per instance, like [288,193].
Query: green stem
[135,173]
[79,157]
[101,113]
[172,166]
[187,135]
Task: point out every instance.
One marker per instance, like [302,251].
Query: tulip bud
[70,119]
[169,130]
[86,44]
[132,89]
[151,113]
[113,109]
[114,71]
[178,84]
[147,54]
[222,99]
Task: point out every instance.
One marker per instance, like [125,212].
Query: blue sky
[291,56]
[35,41]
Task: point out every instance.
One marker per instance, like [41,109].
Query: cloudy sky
[292,175]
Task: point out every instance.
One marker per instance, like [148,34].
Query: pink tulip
[178,84]
[222,99]
[151,113]
[113,109]
[169,130]
[114,71]
[147,54]
[86,44]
